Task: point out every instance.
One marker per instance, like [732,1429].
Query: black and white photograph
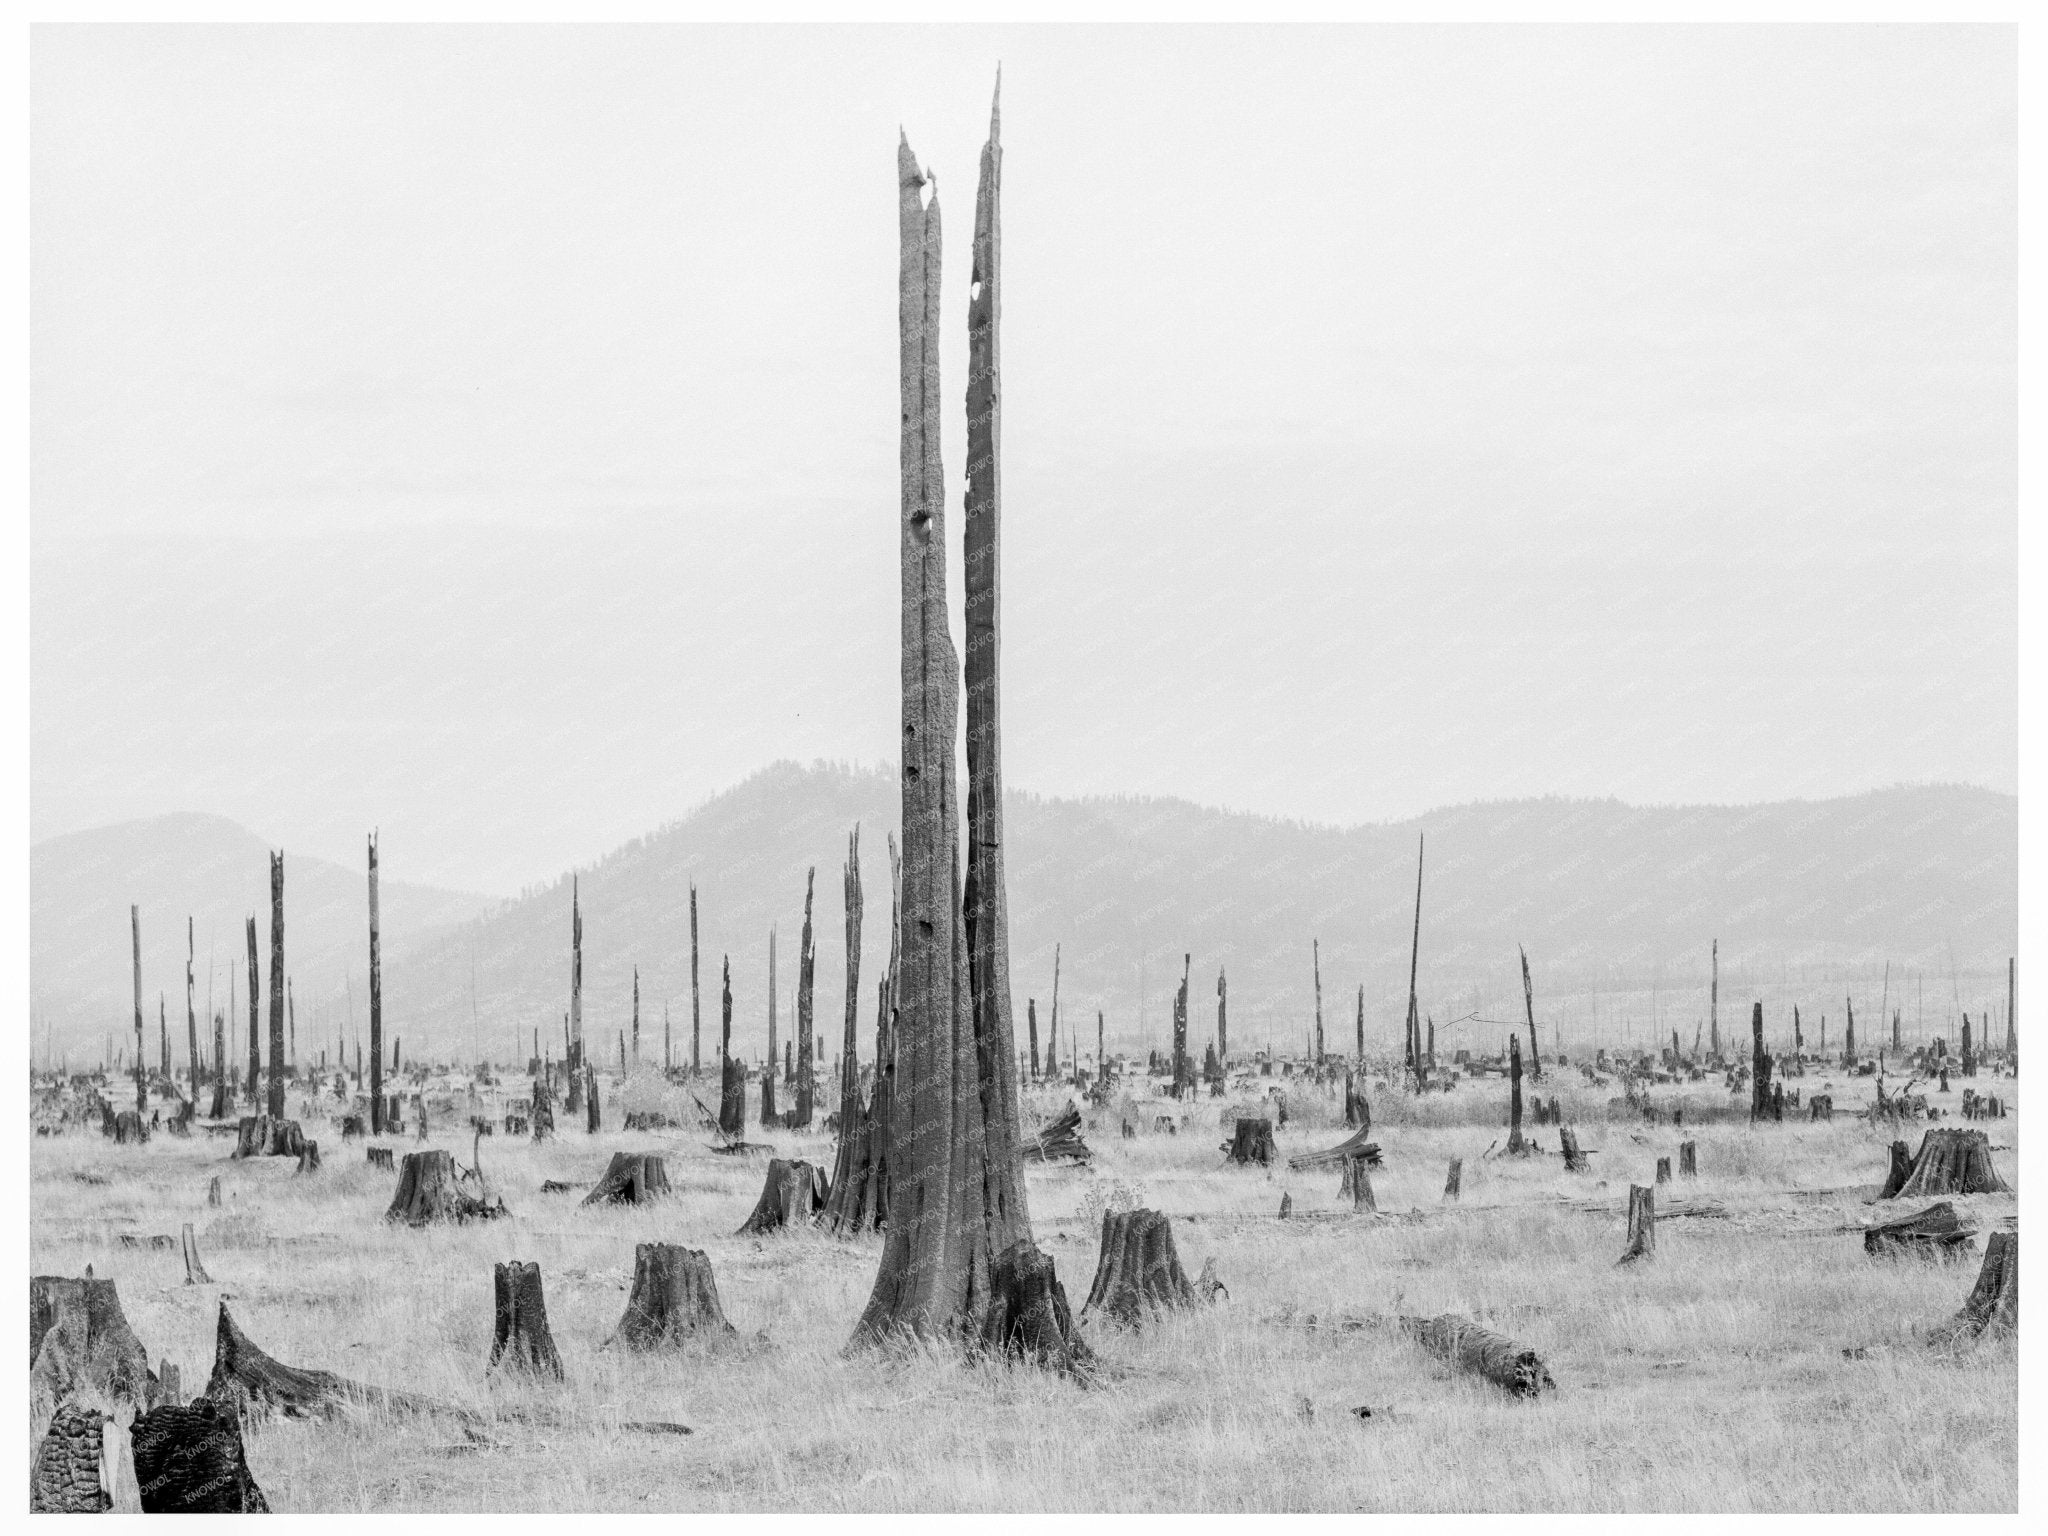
[1095,767]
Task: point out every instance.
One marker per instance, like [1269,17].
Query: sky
[489,435]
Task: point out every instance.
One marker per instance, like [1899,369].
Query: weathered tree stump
[80,1342]
[130,1129]
[351,1127]
[1251,1141]
[428,1192]
[378,1157]
[1138,1270]
[1896,1175]
[1642,1224]
[309,1159]
[674,1299]
[1952,1162]
[1028,1317]
[1357,1184]
[633,1178]
[1993,1305]
[515,1125]
[792,1195]
[1286,1205]
[195,1271]
[1511,1366]
[189,1461]
[520,1339]
[1820,1107]
[1663,1170]
[267,1136]
[1568,1143]
[65,1479]
[1454,1179]
[213,1192]
[1688,1160]
[1937,1232]
[1207,1286]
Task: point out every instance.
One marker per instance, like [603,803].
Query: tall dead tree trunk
[274,1102]
[1529,1008]
[255,1026]
[192,1066]
[1183,1068]
[1714,1006]
[806,970]
[1515,1142]
[219,1108]
[141,1075]
[696,1035]
[1414,959]
[1759,1066]
[958,1259]
[1849,1035]
[768,1070]
[636,1025]
[853,1163]
[1031,1025]
[1315,950]
[572,1048]
[376,1008]
[1222,1023]
[732,1077]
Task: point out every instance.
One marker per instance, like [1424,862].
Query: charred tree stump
[1252,1142]
[80,1341]
[1936,1232]
[1286,1204]
[633,1178]
[674,1298]
[378,1157]
[1138,1270]
[792,1195]
[520,1339]
[1454,1179]
[1356,1183]
[268,1136]
[213,1191]
[195,1271]
[130,1129]
[1663,1170]
[65,1479]
[1513,1367]
[1953,1162]
[1642,1224]
[428,1192]
[189,1461]
[1568,1143]
[309,1159]
[1895,1177]
[1027,1317]
[1993,1305]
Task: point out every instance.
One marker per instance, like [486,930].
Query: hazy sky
[490,435]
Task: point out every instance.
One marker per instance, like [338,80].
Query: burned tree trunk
[1688,1160]
[1138,1270]
[1454,1178]
[1663,1170]
[274,1103]
[1252,1142]
[376,1008]
[1642,1224]
[1529,1008]
[141,1073]
[1414,959]
[189,1461]
[633,1178]
[1511,1366]
[519,1329]
[853,1160]
[696,1036]
[963,1265]
[1515,1143]
[79,1340]
[1357,1184]
[219,1108]
[1952,1162]
[1031,1025]
[1568,1143]
[792,1195]
[255,1001]
[1936,1232]
[1760,1106]
[732,1077]
[1993,1305]
[806,967]
[593,1121]
[674,1299]
[66,1476]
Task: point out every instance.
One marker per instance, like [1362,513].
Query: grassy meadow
[1760,1362]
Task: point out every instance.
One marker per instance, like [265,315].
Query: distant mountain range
[1616,906]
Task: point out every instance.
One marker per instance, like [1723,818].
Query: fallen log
[249,1382]
[1513,1367]
[1061,1139]
[1354,1145]
[1936,1232]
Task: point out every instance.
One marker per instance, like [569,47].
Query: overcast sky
[490,435]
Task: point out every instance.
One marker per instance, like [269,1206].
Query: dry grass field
[1760,1362]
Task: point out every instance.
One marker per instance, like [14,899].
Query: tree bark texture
[674,1299]
[189,1461]
[1138,1270]
[520,1339]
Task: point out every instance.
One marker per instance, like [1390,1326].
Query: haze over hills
[82,884]
[1617,906]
